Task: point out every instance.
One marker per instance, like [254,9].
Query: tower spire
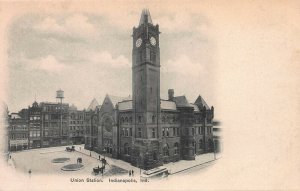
[145,17]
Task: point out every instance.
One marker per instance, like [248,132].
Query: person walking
[129,172]
[99,158]
[132,172]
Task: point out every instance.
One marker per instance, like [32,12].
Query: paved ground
[39,161]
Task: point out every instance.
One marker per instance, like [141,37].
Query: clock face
[138,42]
[153,41]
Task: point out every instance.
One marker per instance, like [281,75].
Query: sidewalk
[173,167]
[176,167]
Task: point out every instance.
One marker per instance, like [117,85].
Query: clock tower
[146,91]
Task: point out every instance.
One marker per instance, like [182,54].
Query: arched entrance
[107,135]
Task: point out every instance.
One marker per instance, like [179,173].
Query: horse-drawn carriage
[70,149]
[79,160]
[98,170]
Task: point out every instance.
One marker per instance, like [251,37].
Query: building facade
[55,124]
[146,130]
[76,126]
[18,132]
[34,126]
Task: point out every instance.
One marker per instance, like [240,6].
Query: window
[126,132]
[167,132]
[163,119]
[140,119]
[126,120]
[123,131]
[200,144]
[152,56]
[153,119]
[174,131]
[139,132]
[163,132]
[153,132]
[186,131]
[130,130]
[193,131]
[166,150]
[176,148]
[187,143]
[199,132]
[126,149]
[202,130]
[130,119]
[177,130]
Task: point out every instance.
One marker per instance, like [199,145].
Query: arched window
[140,119]
[163,119]
[126,149]
[176,149]
[130,119]
[154,155]
[122,119]
[126,120]
[167,120]
[200,144]
[166,150]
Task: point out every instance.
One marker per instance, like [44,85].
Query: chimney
[171,94]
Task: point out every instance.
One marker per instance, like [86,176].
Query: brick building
[76,125]
[55,124]
[18,132]
[34,126]
[146,130]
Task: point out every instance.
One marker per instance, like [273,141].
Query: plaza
[40,161]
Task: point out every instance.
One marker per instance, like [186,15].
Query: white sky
[89,54]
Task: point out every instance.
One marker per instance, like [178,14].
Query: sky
[88,55]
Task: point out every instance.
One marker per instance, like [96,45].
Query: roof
[125,105]
[145,17]
[201,103]
[167,105]
[15,116]
[181,101]
[93,105]
[196,108]
[115,99]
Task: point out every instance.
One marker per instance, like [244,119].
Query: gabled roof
[201,103]
[167,105]
[93,105]
[145,17]
[115,99]
[181,101]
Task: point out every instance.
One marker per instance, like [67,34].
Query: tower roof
[145,17]
[93,104]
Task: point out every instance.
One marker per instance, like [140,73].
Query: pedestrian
[129,172]
[99,157]
[90,154]
[29,172]
[132,173]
